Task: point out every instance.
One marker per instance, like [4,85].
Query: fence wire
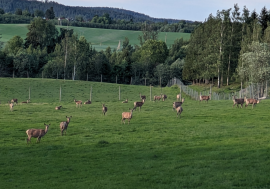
[254,90]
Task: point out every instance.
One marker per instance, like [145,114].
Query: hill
[99,38]
[211,146]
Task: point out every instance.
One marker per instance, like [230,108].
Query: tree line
[63,55]
[231,46]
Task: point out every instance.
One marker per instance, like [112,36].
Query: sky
[194,10]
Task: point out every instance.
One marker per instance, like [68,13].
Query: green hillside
[99,38]
[212,145]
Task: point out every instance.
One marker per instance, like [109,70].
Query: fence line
[254,90]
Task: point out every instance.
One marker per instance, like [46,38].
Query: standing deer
[143,97]
[104,109]
[157,98]
[87,102]
[138,104]
[206,98]
[127,115]
[14,100]
[164,97]
[58,107]
[177,104]
[179,110]
[78,103]
[126,101]
[251,101]
[64,125]
[238,101]
[11,105]
[36,133]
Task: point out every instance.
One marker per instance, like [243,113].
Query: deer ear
[44,123]
[66,116]
[70,116]
[49,124]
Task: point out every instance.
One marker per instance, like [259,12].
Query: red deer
[58,107]
[157,98]
[126,101]
[127,115]
[164,97]
[10,106]
[178,97]
[104,109]
[26,102]
[251,101]
[78,103]
[36,133]
[14,100]
[64,125]
[238,101]
[206,98]
[177,104]
[179,110]
[142,97]
[87,102]
[138,104]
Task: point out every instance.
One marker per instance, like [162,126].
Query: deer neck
[46,130]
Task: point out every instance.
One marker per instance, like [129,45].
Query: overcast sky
[195,10]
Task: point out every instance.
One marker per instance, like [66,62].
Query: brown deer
[11,105]
[164,97]
[14,100]
[238,101]
[157,98]
[64,125]
[138,104]
[126,101]
[58,107]
[142,97]
[78,103]
[206,98]
[251,101]
[25,102]
[36,133]
[87,102]
[104,109]
[127,115]
[179,110]
[177,104]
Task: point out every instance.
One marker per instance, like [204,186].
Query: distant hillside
[87,12]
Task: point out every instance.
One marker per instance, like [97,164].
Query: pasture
[99,38]
[211,146]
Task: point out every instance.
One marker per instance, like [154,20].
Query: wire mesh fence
[254,90]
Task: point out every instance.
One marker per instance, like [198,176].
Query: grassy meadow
[212,145]
[99,38]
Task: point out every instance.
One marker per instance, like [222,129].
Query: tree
[26,13]
[14,45]
[149,32]
[39,13]
[49,14]
[264,18]
[18,12]
[2,11]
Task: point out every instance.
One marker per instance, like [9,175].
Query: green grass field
[212,146]
[99,38]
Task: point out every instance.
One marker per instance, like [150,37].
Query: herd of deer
[177,105]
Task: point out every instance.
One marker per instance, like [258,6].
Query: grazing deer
[142,97]
[126,101]
[104,109]
[87,102]
[11,105]
[251,101]
[157,98]
[138,104]
[178,97]
[238,101]
[78,103]
[58,107]
[177,104]
[36,133]
[14,100]
[64,125]
[127,115]
[206,98]
[164,97]
[179,110]
[26,102]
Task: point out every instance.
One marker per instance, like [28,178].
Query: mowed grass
[99,38]
[212,145]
